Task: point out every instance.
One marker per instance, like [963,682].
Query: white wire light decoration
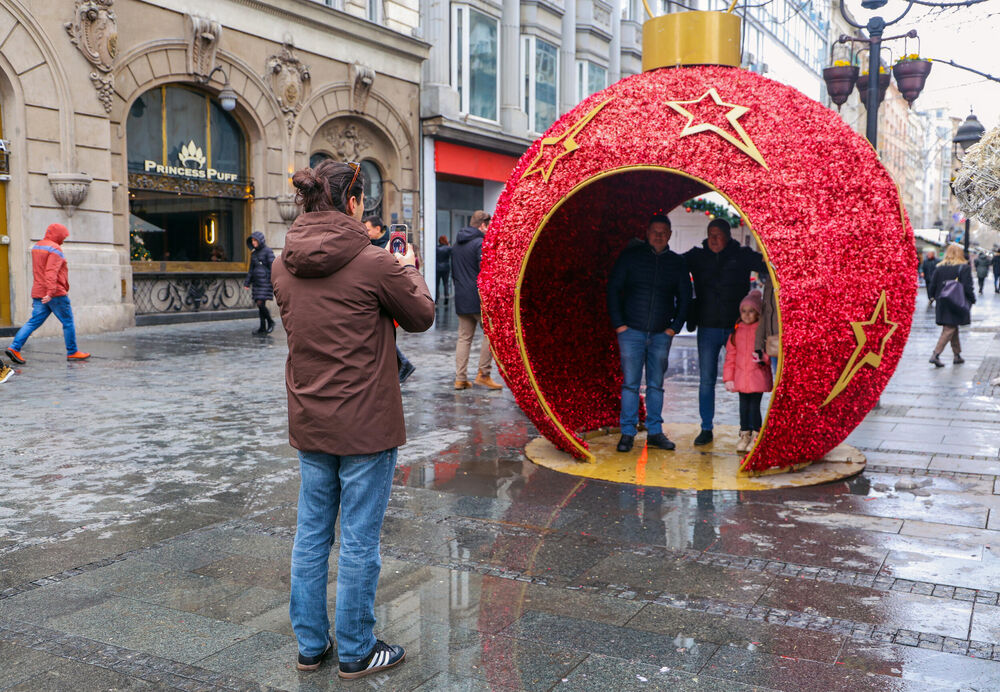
[977,183]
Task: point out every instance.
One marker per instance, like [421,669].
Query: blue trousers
[649,350]
[710,343]
[358,487]
[58,306]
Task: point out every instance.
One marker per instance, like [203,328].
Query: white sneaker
[744,443]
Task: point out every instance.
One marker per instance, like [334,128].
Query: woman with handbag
[954,294]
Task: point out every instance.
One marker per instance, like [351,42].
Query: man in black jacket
[465,258]
[648,296]
[721,271]
[996,270]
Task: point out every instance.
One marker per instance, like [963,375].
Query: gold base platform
[715,466]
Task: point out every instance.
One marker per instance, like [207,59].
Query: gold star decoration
[744,143]
[568,142]
[871,358]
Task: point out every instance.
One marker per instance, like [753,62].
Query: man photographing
[648,296]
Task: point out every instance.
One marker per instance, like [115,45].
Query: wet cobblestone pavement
[147,508]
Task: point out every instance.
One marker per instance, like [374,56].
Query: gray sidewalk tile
[933,668]
[151,628]
[889,609]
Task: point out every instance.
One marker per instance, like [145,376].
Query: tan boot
[462,384]
[753,440]
[486,381]
[744,444]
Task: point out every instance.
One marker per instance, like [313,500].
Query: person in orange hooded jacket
[49,294]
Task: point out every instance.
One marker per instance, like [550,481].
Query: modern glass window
[475,61]
[590,79]
[540,82]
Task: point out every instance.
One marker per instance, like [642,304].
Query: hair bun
[305,181]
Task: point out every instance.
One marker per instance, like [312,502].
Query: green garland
[715,211]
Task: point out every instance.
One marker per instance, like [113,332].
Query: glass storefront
[189,191]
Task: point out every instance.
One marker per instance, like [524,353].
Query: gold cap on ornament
[691,38]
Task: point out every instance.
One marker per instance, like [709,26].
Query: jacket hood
[57,233]
[322,242]
[467,234]
[259,237]
[731,245]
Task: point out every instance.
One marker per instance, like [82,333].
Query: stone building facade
[162,137]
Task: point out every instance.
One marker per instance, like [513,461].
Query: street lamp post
[968,133]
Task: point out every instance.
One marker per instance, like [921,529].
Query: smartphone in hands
[397,238]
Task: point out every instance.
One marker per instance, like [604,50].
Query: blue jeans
[710,343]
[357,486]
[60,307]
[638,349]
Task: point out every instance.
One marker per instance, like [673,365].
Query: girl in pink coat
[745,372]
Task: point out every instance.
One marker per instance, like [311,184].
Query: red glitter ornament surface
[825,211]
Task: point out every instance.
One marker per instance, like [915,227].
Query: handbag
[772,345]
[952,294]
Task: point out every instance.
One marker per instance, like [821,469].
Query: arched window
[189,187]
[373,181]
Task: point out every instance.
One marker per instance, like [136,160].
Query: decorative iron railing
[168,293]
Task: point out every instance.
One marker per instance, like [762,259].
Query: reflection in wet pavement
[148,507]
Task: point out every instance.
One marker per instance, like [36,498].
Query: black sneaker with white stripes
[382,656]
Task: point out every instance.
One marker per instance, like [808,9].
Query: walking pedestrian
[259,279]
[929,263]
[443,266]
[745,371]
[649,292]
[955,295]
[379,237]
[721,271]
[996,270]
[49,294]
[338,297]
[982,269]
[465,259]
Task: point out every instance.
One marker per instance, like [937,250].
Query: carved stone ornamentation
[94,31]
[347,142]
[288,209]
[290,81]
[69,189]
[203,44]
[362,78]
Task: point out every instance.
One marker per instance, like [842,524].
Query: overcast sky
[970,36]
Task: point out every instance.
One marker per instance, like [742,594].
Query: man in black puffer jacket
[648,296]
[721,271]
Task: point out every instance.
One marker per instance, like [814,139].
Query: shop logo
[192,162]
[191,154]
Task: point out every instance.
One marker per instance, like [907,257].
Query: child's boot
[744,443]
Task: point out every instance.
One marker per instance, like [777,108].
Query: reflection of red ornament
[687,209]
[708,213]
[810,189]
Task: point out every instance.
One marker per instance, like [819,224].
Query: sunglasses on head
[357,169]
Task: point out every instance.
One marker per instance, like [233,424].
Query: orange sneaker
[15,356]
[79,355]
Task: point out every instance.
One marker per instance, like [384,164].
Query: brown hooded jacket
[338,295]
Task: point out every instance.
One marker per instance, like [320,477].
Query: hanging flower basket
[911,75]
[883,85]
[840,80]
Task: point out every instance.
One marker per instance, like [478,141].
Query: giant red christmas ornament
[825,212]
